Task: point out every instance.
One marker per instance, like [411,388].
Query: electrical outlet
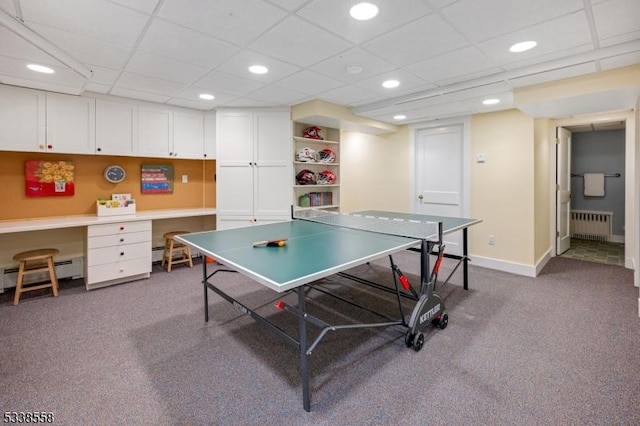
[185,178]
[492,239]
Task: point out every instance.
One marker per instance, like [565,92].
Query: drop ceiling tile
[238,65]
[310,45]
[145,83]
[617,17]
[165,68]
[185,45]
[16,68]
[279,95]
[556,35]
[137,94]
[309,82]
[336,66]
[14,46]
[290,5]
[236,21]
[85,49]
[556,56]
[98,19]
[348,96]
[623,38]
[8,6]
[146,6]
[102,75]
[217,81]
[481,20]
[447,66]
[416,41]
[247,102]
[334,16]
[408,83]
[192,93]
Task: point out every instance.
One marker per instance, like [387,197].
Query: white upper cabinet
[155,131]
[116,128]
[210,135]
[71,124]
[22,119]
[188,134]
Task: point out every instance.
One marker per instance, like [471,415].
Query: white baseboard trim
[542,262]
[617,239]
[502,265]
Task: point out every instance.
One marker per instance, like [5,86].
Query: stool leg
[16,298]
[164,252]
[170,260]
[52,276]
[187,250]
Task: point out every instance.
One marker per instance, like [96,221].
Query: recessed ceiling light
[492,101]
[522,46]
[258,69]
[40,68]
[399,117]
[391,84]
[207,97]
[363,11]
[354,69]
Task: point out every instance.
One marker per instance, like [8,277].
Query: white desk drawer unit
[117,253]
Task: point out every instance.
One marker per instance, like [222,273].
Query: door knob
[420,197]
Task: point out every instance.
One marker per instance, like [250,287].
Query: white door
[439,176]
[563,190]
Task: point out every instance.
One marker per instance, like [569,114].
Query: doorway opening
[595,220]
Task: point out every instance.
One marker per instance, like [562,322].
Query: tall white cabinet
[253,167]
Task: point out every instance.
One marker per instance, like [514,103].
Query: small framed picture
[156,179]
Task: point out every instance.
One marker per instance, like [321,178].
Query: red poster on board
[49,178]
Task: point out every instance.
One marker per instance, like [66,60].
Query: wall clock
[114,173]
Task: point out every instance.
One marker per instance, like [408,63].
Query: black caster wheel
[408,339]
[418,342]
[444,320]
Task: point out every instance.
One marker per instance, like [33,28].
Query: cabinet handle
[49,146]
[121,269]
[99,149]
[122,228]
[121,253]
[122,240]
[41,146]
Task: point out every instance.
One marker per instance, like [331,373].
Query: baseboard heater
[72,268]
[591,225]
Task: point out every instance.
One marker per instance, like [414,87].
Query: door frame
[632,161]
[465,123]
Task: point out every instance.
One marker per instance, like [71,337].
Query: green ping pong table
[321,244]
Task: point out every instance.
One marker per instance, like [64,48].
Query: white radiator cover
[71,268]
[591,225]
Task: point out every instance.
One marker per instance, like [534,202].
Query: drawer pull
[122,228]
[121,253]
[122,240]
[121,269]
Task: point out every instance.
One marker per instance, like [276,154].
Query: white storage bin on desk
[113,209]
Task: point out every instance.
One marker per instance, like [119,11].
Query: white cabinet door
[188,136]
[234,190]
[272,165]
[71,124]
[155,132]
[116,128]
[234,130]
[210,135]
[22,119]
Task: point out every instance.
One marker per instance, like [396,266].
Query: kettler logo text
[430,313]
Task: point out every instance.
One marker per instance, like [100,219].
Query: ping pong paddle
[280,242]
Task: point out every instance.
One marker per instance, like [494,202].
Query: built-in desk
[113,249]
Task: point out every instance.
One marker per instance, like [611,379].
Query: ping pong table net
[423,230]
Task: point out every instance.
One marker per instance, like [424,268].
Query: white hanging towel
[594,184]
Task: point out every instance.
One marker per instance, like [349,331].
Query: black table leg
[302,342]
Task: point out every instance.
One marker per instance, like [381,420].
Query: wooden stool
[170,245]
[43,261]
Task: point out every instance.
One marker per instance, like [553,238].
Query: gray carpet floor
[562,348]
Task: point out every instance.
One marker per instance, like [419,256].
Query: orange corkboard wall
[90,185]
